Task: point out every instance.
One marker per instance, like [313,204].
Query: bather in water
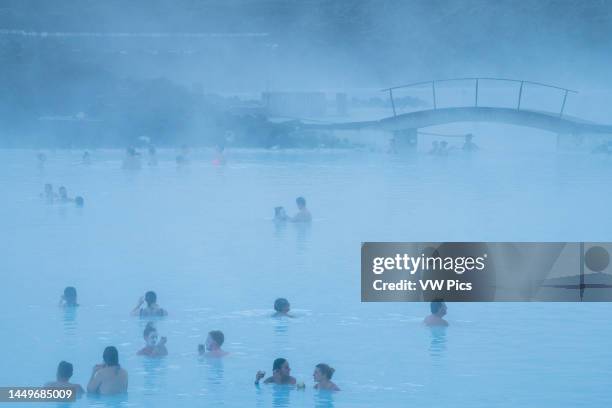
[281,374]
[63,195]
[155,346]
[438,311]
[281,308]
[131,160]
[108,378]
[303,215]
[322,375]
[152,309]
[48,194]
[212,347]
[62,379]
[469,145]
[69,298]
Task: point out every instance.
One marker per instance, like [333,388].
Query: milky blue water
[202,237]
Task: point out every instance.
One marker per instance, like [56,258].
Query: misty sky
[240,45]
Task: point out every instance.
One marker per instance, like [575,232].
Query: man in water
[303,215]
[281,308]
[64,372]
[212,348]
[469,145]
[438,311]
[281,374]
[108,378]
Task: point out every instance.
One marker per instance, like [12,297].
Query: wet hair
[64,370]
[149,328]
[326,370]
[281,304]
[300,201]
[111,356]
[436,305]
[70,295]
[150,298]
[78,200]
[278,363]
[217,336]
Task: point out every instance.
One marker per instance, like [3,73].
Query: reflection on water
[324,399]
[280,395]
[155,370]
[437,345]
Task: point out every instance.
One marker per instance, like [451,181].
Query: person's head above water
[70,296]
[64,371]
[281,367]
[438,307]
[323,371]
[63,192]
[215,340]
[111,356]
[79,201]
[150,334]
[48,188]
[301,202]
[150,298]
[281,305]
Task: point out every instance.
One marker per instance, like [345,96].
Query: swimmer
[322,376]
[435,147]
[41,158]
[151,310]
[438,311]
[303,215]
[280,214]
[153,347]
[62,379]
[131,160]
[108,378]
[49,195]
[183,158]
[212,348]
[282,308]
[152,156]
[69,298]
[469,145]
[79,201]
[443,149]
[86,158]
[63,195]
[280,374]
[219,159]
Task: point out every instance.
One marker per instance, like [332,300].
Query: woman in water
[108,378]
[152,309]
[69,298]
[322,376]
[281,374]
[153,347]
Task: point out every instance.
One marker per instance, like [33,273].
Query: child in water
[212,348]
[322,376]
[155,347]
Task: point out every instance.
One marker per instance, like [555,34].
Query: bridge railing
[477,80]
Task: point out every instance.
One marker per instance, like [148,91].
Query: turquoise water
[202,237]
